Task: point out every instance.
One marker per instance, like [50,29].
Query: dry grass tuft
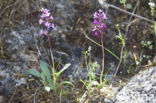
[15,10]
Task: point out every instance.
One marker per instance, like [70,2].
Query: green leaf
[100,86]
[105,80]
[112,53]
[48,76]
[46,71]
[43,66]
[34,72]
[51,84]
[64,82]
[43,76]
[151,47]
[122,1]
[63,69]
[143,43]
[83,82]
[155,28]
[128,6]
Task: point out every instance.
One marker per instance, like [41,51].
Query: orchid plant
[46,20]
[98,30]
[45,75]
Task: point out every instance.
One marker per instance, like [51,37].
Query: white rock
[47,88]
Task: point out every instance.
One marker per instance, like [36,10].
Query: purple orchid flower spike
[99,17]
[46,19]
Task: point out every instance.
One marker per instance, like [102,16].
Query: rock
[140,89]
[20,81]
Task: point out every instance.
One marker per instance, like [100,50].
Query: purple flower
[95,15]
[95,34]
[51,18]
[41,32]
[43,16]
[99,23]
[95,21]
[103,26]
[40,21]
[104,15]
[42,9]
[48,25]
[99,17]
[94,29]
[47,14]
[52,25]
[100,11]
[45,11]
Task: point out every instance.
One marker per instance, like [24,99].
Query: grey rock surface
[140,89]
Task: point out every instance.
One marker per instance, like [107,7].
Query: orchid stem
[53,63]
[101,75]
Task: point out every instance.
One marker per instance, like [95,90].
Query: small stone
[95,83]
[21,81]
[47,88]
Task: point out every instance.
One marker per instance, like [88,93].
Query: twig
[12,96]
[125,37]
[60,97]
[121,53]
[35,95]
[129,22]
[82,99]
[120,60]
[106,5]
[1,47]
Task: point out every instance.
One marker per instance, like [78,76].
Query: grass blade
[63,69]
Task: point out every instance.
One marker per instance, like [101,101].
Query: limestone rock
[140,89]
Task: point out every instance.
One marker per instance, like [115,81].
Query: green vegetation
[123,43]
[45,77]
[91,66]
[152,7]
[126,5]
